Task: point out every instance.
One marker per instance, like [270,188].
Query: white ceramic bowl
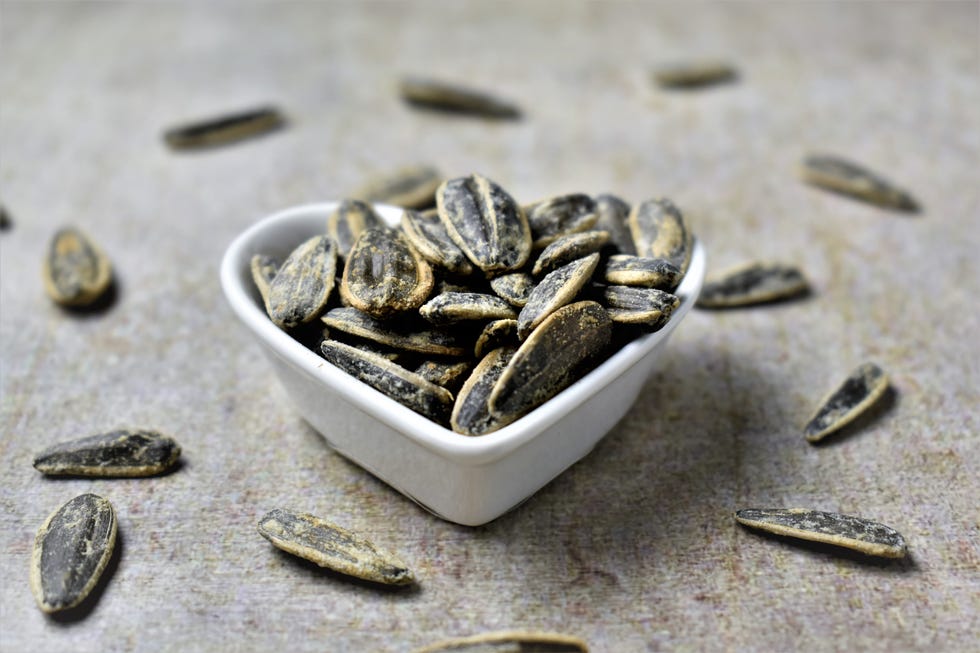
[467,480]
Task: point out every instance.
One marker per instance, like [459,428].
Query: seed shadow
[71,616]
[863,422]
[318,574]
[100,306]
[853,558]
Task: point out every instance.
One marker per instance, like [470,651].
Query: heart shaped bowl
[466,480]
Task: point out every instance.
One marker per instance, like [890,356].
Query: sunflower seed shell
[264,269]
[224,129]
[566,249]
[751,284]
[694,74]
[514,288]
[348,221]
[120,453]
[496,334]
[613,216]
[404,333]
[76,271]
[646,306]
[865,386]
[855,533]
[841,176]
[427,234]
[559,216]
[641,271]
[447,374]
[452,307]
[471,411]
[443,96]
[411,187]
[659,231]
[384,275]
[557,289]
[301,288]
[510,642]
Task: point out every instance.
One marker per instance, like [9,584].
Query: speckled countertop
[632,549]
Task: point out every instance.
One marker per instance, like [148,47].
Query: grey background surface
[634,548]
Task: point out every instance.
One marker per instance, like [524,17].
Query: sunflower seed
[855,395]
[384,275]
[559,216]
[753,283]
[836,174]
[333,547]
[124,452]
[485,222]
[510,642]
[427,234]
[514,288]
[471,412]
[855,533]
[369,346]
[566,249]
[447,374]
[348,220]
[613,216]
[641,271]
[301,288]
[659,232]
[557,289]
[5,221]
[452,307]
[224,129]
[71,550]
[264,269]
[76,271]
[694,74]
[411,187]
[432,94]
[410,335]
[647,306]
[552,357]
[496,334]
[402,385]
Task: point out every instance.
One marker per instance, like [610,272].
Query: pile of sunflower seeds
[478,311]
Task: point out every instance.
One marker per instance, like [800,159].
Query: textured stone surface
[634,548]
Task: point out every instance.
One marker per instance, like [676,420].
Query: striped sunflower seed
[443,96]
[559,216]
[332,547]
[301,288]
[427,234]
[406,334]
[649,307]
[557,289]
[496,334]
[71,550]
[76,271]
[348,220]
[753,283]
[510,642]
[613,216]
[384,275]
[119,453]
[694,74]
[447,374]
[859,391]
[485,223]
[264,269]
[841,176]
[514,288]
[659,232]
[855,533]
[402,385]
[641,271]
[566,249]
[411,187]
[471,411]
[224,129]
[553,356]
[452,307]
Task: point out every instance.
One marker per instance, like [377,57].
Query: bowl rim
[472,450]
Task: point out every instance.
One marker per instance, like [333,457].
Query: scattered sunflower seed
[447,374]
[264,269]
[348,220]
[427,234]
[76,271]
[5,221]
[559,216]
[224,129]
[485,222]
[452,307]
[613,216]
[642,271]
[510,642]
[659,232]
[432,94]
[471,411]
[330,546]
[557,289]
[384,275]
[301,288]
[836,174]
[647,306]
[120,453]
[514,288]
[551,358]
[402,385]
[496,334]
[71,550]
[694,74]
[566,249]
[753,283]
[855,395]
[411,187]
[406,334]
[855,533]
